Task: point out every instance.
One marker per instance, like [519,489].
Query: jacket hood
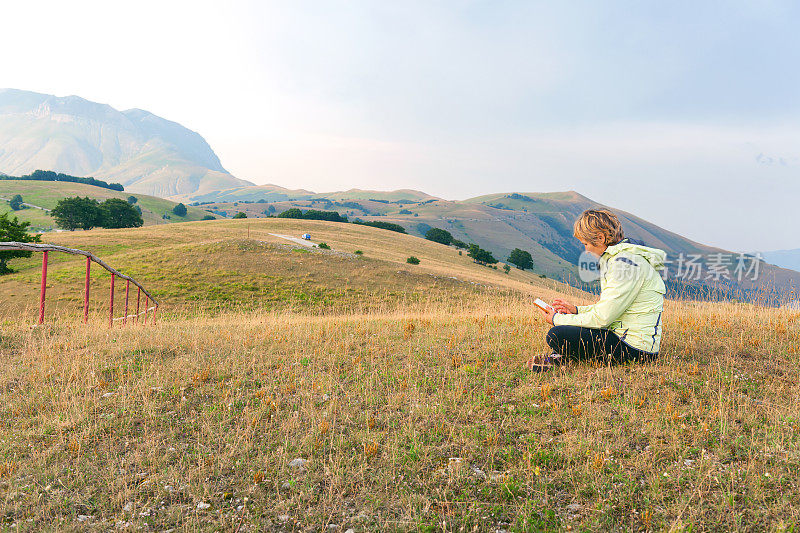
[654,256]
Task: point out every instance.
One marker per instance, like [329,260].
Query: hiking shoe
[544,362]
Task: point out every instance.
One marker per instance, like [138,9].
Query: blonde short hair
[598,225]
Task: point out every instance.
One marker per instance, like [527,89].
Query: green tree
[14,231]
[77,212]
[16,202]
[132,200]
[240,214]
[381,224]
[180,210]
[118,213]
[209,217]
[412,260]
[506,268]
[439,235]
[481,256]
[291,213]
[521,259]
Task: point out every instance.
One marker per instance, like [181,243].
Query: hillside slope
[144,152]
[46,194]
[234,264]
[540,223]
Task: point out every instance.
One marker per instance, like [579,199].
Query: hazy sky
[684,113]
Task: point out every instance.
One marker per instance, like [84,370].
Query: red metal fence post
[47,248]
[127,290]
[44,288]
[111,303]
[138,299]
[86,294]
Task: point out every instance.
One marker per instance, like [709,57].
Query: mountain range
[142,151]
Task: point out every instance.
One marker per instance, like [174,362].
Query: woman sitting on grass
[625,324]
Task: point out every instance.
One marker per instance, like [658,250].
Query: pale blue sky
[685,113]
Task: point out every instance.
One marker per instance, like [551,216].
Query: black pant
[577,343]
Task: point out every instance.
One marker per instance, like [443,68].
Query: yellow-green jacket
[631,296]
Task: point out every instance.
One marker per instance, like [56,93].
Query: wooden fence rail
[90,257]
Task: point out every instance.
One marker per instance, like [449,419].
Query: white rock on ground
[297,463]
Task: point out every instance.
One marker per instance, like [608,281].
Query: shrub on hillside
[412,260]
[521,259]
[180,210]
[87,213]
[381,224]
[481,256]
[13,230]
[116,213]
[323,246]
[313,214]
[209,217]
[240,214]
[132,200]
[16,202]
[291,213]
[439,235]
[77,212]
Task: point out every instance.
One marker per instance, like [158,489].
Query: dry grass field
[296,390]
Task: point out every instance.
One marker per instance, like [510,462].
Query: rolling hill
[46,194]
[225,264]
[146,153]
[540,223]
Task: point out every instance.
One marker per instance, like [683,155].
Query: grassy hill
[540,223]
[233,264]
[290,389]
[46,194]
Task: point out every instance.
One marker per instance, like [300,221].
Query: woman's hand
[548,315]
[562,306]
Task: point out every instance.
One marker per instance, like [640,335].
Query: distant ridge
[142,151]
[783,258]
[276,193]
